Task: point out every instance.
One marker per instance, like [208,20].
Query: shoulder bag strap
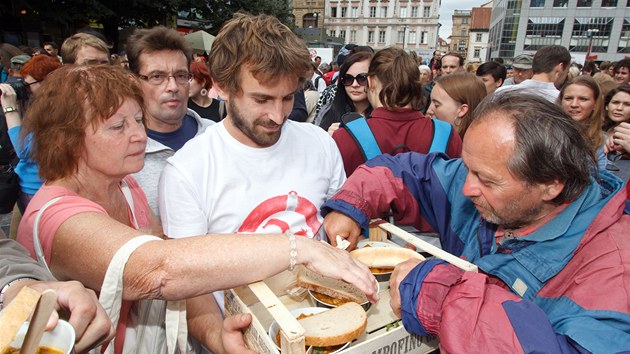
[37,245]
[360,131]
[441,134]
[127,193]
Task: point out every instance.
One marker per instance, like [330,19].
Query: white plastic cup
[61,338]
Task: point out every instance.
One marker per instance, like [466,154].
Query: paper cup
[61,338]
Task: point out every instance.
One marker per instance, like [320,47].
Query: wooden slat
[292,335]
[429,248]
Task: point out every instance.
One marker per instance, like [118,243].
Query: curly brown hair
[60,114]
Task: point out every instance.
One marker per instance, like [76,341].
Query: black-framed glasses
[348,79]
[159,78]
[27,84]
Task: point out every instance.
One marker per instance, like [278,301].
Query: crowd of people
[151,180]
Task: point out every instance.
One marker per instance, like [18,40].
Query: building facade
[459,34]
[524,26]
[412,25]
[479,33]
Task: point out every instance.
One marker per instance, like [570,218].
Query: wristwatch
[10,109]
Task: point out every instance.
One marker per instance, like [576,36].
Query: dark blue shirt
[175,140]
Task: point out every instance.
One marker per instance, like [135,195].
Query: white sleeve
[338,173]
[180,210]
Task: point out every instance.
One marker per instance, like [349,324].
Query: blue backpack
[360,131]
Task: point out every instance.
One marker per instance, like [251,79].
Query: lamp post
[589,34]
[404,35]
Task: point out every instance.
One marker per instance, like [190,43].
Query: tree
[117,14]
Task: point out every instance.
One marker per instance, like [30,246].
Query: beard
[254,130]
[514,216]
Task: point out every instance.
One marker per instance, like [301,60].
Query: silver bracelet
[293,252]
[6,287]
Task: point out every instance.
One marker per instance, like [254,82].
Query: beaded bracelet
[293,252]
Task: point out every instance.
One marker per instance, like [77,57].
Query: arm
[165,269]
[87,317]
[470,312]
[414,185]
[205,321]
[9,99]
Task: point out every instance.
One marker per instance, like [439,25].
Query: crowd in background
[111,144]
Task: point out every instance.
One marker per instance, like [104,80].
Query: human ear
[552,189]
[462,110]
[222,93]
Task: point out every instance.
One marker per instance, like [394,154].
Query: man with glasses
[160,59]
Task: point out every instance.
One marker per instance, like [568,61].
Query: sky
[446,13]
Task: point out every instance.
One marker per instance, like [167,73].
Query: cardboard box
[267,302]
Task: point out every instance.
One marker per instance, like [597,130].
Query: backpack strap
[360,131]
[222,109]
[441,134]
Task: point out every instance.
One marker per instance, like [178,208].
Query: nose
[138,133]
[431,111]
[279,111]
[171,84]
[471,186]
[574,103]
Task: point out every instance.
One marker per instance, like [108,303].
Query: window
[401,36]
[372,11]
[624,38]
[462,32]
[465,21]
[426,12]
[537,3]
[381,36]
[543,31]
[333,33]
[383,11]
[423,37]
[584,3]
[477,53]
[343,11]
[478,37]
[353,36]
[412,37]
[590,31]
[342,34]
[403,12]
[414,11]
[609,3]
[333,12]
[355,12]
[370,37]
[309,21]
[560,3]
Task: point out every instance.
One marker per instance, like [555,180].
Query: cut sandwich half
[335,288]
[334,327]
[384,257]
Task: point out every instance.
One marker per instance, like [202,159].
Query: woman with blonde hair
[582,100]
[454,97]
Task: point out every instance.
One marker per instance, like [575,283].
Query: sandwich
[336,326]
[384,257]
[334,288]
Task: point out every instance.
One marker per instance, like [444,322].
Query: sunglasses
[361,78]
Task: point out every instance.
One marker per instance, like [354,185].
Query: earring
[203,92]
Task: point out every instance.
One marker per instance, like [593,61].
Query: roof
[481,18]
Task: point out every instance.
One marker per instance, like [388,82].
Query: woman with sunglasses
[351,93]
[396,122]
[34,72]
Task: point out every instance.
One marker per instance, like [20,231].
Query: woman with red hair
[33,72]
[198,99]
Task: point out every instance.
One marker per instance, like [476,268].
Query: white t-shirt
[214,184]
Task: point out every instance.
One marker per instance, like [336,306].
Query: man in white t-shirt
[255,171]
